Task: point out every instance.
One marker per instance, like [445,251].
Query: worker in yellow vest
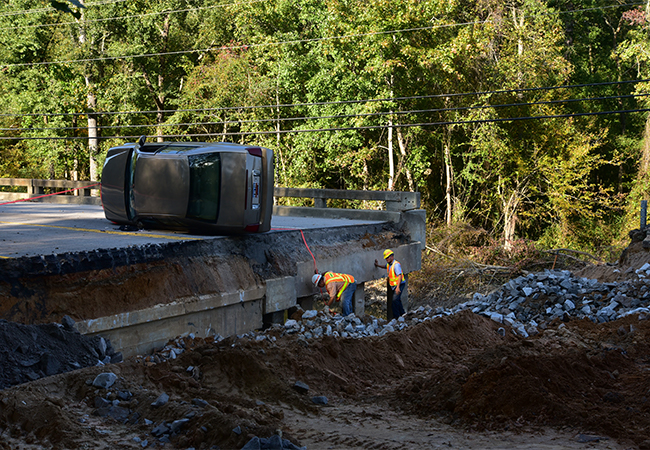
[396,281]
[340,287]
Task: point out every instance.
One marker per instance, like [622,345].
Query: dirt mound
[29,352]
[459,369]
[631,260]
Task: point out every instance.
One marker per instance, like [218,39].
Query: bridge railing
[87,192]
[54,191]
[396,202]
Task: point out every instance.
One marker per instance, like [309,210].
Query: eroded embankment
[89,285]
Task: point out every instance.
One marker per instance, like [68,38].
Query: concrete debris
[35,351]
[319,400]
[526,304]
[104,380]
[161,400]
[301,387]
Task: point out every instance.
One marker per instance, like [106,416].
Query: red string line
[48,195]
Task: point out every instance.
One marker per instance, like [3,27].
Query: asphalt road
[31,229]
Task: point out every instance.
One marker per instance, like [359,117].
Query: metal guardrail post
[644,214]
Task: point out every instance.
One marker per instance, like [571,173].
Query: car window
[205,186]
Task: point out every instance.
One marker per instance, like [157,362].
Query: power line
[42,10]
[237,47]
[338,116]
[338,102]
[596,8]
[134,16]
[365,127]
[291,42]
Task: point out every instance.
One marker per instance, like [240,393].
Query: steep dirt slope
[457,370]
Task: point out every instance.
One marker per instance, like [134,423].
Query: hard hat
[387,253]
[315,279]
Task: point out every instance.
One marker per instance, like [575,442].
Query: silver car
[216,187]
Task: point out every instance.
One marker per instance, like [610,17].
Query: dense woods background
[525,118]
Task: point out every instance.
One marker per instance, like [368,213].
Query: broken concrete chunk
[301,387]
[105,380]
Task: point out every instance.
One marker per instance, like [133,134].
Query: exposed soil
[453,382]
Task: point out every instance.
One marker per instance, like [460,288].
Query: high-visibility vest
[332,277]
[393,278]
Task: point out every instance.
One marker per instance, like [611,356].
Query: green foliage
[452,87]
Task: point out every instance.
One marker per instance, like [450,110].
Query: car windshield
[205,185]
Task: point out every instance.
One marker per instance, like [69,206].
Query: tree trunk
[402,162]
[91,104]
[449,173]
[510,219]
[93,141]
[643,174]
[510,204]
[278,129]
[391,163]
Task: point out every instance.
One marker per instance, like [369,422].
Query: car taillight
[252,228]
[246,193]
[255,151]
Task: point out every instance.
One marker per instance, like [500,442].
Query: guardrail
[58,191]
[87,192]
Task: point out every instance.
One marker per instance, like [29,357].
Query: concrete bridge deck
[140,289]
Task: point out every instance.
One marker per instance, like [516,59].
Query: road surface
[30,229]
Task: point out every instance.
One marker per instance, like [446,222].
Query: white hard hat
[315,279]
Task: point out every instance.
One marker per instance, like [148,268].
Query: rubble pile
[30,352]
[526,304]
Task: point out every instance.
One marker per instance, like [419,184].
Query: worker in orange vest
[340,287]
[396,281]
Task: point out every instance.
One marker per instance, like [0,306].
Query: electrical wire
[133,16]
[319,130]
[338,102]
[42,10]
[247,46]
[13,13]
[233,47]
[340,116]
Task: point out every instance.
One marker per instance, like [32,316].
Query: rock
[101,402]
[160,430]
[68,323]
[274,443]
[104,380]
[253,444]
[177,425]
[199,402]
[319,400]
[301,387]
[161,400]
